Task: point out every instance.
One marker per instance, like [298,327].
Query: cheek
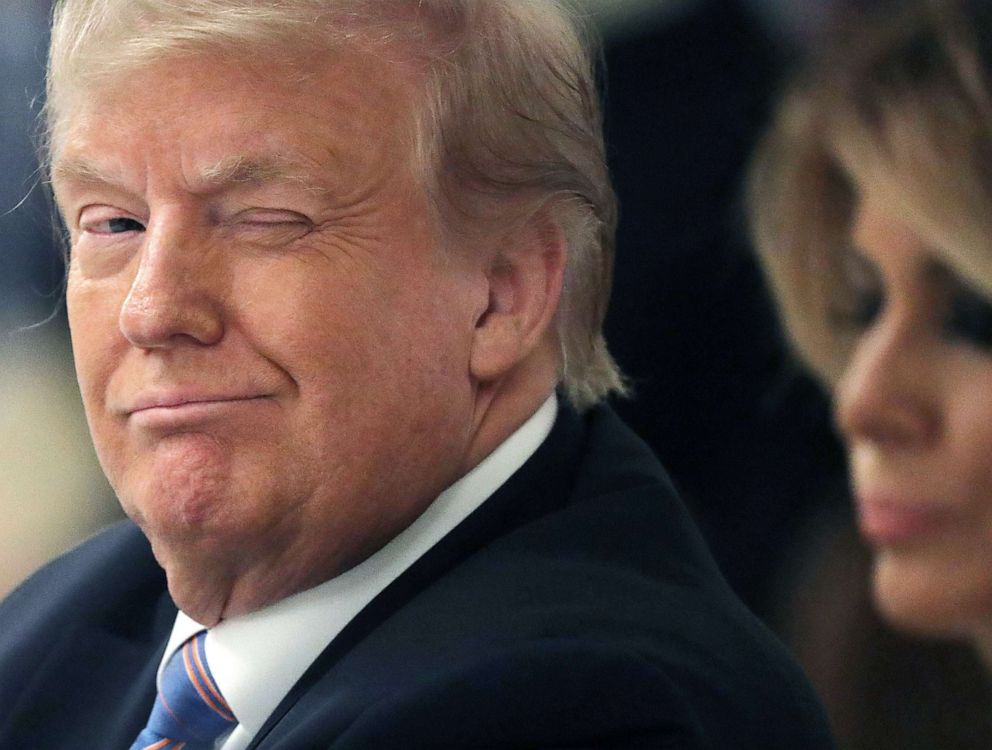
[377,364]
[973,478]
[969,440]
[327,325]
[98,350]
[945,587]
[93,325]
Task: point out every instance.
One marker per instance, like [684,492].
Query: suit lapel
[540,486]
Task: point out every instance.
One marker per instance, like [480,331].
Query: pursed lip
[178,402]
[886,518]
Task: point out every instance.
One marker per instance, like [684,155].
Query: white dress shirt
[257,658]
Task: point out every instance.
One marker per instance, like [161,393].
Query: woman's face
[915,409]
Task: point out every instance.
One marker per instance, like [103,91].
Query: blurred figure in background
[869,204]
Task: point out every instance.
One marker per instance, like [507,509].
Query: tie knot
[189,706]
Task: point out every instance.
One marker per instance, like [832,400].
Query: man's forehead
[272,131]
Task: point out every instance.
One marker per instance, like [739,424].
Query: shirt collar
[256,658]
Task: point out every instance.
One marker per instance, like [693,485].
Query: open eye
[865,307]
[121,224]
[104,237]
[861,297]
[107,221]
[969,318]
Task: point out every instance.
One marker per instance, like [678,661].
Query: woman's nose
[887,394]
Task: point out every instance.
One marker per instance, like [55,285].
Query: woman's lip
[889,521]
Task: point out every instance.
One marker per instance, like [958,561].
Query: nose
[175,293]
[888,395]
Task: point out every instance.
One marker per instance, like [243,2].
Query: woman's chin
[920,602]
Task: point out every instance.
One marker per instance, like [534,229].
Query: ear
[525,282]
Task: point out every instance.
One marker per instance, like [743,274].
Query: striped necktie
[189,712]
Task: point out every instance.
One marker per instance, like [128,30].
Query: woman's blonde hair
[902,107]
[508,122]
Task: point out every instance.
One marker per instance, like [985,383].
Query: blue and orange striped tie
[189,712]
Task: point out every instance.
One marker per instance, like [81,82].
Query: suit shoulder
[570,692]
[616,587]
[111,570]
[577,608]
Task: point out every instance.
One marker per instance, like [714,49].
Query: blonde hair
[509,121]
[902,107]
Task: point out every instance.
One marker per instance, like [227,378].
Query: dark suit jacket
[576,608]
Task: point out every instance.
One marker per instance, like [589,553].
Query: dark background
[744,432]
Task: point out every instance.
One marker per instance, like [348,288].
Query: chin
[919,603]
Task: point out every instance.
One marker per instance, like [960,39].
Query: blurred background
[746,435]
[52,493]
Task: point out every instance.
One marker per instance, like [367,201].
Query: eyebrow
[240,169]
[228,171]
[78,170]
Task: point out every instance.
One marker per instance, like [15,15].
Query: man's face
[273,354]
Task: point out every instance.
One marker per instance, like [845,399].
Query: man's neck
[502,407]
